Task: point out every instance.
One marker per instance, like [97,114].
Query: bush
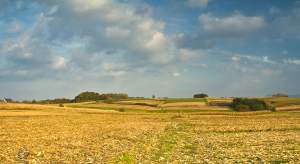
[61,105]
[258,106]
[200,95]
[271,107]
[245,104]
[242,107]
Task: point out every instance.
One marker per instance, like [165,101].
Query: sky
[170,48]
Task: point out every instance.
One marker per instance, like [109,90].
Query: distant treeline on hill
[94,96]
[82,97]
[280,95]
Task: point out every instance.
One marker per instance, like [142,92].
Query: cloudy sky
[174,48]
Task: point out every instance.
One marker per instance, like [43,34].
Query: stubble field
[45,134]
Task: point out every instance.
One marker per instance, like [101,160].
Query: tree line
[81,97]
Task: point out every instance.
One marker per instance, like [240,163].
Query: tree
[87,96]
[246,104]
[200,95]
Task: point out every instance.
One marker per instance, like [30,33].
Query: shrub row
[246,104]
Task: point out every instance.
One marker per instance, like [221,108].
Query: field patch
[282,101]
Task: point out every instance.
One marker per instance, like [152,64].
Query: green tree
[246,104]
[113,96]
[200,95]
[87,96]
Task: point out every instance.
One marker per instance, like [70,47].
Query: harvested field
[81,135]
[112,106]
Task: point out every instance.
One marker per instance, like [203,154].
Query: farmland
[147,131]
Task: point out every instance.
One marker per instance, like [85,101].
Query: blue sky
[54,48]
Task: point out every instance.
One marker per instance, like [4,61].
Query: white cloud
[52,10]
[233,26]
[116,32]
[197,3]
[292,61]
[115,70]
[83,6]
[259,59]
[236,58]
[59,62]
[176,74]
[266,59]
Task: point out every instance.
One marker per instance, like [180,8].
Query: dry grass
[113,106]
[72,135]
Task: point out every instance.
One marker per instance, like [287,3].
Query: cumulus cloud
[213,29]
[77,35]
[29,54]
[26,43]
[101,40]
[236,25]
[108,24]
[115,70]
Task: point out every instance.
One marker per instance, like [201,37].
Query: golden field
[88,134]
